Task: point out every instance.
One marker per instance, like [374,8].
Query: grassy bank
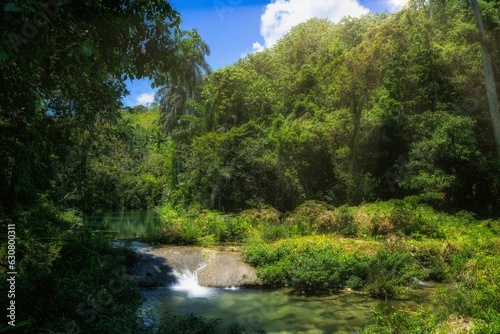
[381,248]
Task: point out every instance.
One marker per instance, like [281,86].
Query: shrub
[432,259]
[314,217]
[311,217]
[344,222]
[201,228]
[401,217]
[321,263]
[477,294]
[390,273]
[276,232]
[266,216]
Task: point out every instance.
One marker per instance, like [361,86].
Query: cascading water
[171,276]
[187,281]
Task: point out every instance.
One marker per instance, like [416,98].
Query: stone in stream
[226,269]
[160,266]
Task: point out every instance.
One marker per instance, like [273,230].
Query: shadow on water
[154,271]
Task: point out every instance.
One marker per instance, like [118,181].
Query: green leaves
[319,264]
[441,142]
[3,56]
[62,85]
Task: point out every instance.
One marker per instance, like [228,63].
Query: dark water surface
[124,224]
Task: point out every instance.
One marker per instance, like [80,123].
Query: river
[273,310]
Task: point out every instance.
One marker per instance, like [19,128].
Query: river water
[124,224]
[275,311]
[272,310]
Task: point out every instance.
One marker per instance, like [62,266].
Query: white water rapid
[187,281]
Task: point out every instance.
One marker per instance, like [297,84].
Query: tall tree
[194,50]
[183,82]
[489,77]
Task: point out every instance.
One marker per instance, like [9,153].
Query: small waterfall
[187,281]
[195,271]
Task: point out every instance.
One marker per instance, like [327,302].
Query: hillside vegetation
[371,108]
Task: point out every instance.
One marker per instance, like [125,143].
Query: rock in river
[162,266]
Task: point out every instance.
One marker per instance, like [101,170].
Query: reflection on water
[123,224]
[275,311]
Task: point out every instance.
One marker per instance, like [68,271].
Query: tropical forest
[353,168]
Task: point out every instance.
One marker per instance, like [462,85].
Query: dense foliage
[371,108]
[63,81]
[377,107]
[356,155]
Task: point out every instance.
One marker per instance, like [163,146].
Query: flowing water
[275,311]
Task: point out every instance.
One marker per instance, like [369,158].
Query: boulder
[227,270]
[159,266]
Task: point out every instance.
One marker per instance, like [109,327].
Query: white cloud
[146,98]
[281,15]
[257,47]
[397,4]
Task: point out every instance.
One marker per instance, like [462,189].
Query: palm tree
[193,51]
[191,66]
[172,105]
[157,138]
[181,87]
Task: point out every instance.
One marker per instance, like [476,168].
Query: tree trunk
[432,12]
[489,78]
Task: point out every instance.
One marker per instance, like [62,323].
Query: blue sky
[233,28]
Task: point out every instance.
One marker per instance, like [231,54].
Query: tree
[172,103]
[193,51]
[183,81]
[489,77]
[66,75]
